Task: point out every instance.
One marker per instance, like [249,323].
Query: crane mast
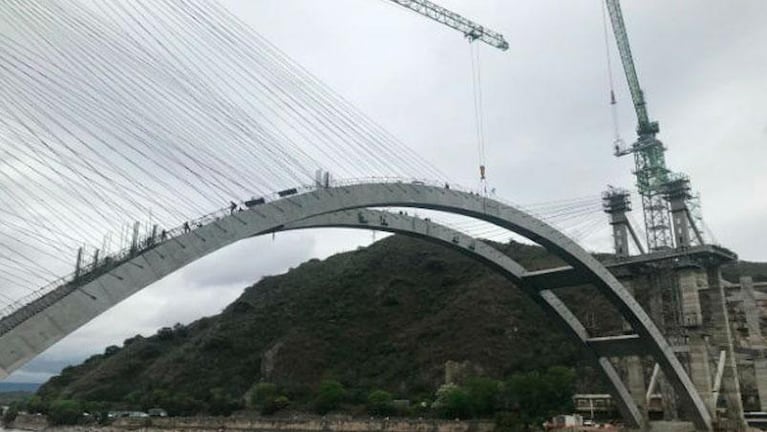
[652,175]
[470,29]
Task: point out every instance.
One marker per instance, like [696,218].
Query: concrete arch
[480,251]
[27,333]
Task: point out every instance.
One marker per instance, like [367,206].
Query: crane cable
[479,117]
[618,143]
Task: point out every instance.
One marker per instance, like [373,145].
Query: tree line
[520,402]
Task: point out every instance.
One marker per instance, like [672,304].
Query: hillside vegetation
[756,270]
[384,319]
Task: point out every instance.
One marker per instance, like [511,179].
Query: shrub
[484,394]
[509,422]
[10,415]
[275,404]
[221,403]
[262,393]
[65,412]
[268,399]
[36,405]
[453,402]
[329,396]
[537,396]
[380,403]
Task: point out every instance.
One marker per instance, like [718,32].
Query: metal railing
[27,306]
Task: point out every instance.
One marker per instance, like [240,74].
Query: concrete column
[677,192]
[620,234]
[760,370]
[752,312]
[690,282]
[681,227]
[636,383]
[717,325]
[653,285]
[629,285]
[700,369]
[634,377]
[616,203]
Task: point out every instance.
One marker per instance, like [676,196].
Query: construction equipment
[470,29]
[655,182]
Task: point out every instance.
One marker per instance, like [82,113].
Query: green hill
[757,270]
[388,316]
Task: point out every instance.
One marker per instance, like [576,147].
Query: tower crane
[470,29]
[656,184]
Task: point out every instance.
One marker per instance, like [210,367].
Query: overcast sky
[702,65]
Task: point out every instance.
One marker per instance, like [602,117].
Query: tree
[165,334]
[181,404]
[560,385]
[380,403]
[262,393]
[509,422]
[484,394]
[453,402]
[10,414]
[536,396]
[267,398]
[65,412]
[275,404]
[222,403]
[36,405]
[329,396]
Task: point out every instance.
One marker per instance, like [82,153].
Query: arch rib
[34,333]
[478,250]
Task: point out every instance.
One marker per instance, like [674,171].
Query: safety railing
[40,299]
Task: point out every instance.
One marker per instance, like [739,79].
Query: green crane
[652,176]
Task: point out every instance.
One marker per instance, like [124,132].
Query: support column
[752,312]
[677,192]
[654,284]
[691,281]
[636,383]
[616,203]
[634,370]
[700,370]
[755,338]
[721,339]
[760,370]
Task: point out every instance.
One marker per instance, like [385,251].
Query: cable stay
[619,145]
[473,32]
[479,115]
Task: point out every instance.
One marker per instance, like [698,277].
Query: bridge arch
[425,229]
[24,335]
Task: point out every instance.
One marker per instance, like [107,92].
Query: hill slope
[386,316]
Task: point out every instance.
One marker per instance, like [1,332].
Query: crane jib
[645,126]
[470,29]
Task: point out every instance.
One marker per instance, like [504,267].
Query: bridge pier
[721,338]
[683,292]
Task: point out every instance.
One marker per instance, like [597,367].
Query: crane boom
[644,126]
[469,28]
